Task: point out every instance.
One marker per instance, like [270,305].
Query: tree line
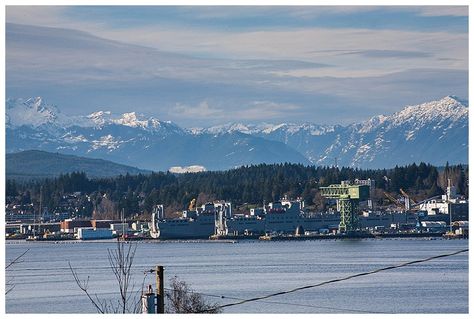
[254,184]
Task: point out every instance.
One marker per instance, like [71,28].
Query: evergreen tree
[11,189]
[249,184]
[435,190]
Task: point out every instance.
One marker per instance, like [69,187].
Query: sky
[200,66]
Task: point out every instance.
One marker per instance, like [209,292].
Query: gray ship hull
[288,224]
[199,228]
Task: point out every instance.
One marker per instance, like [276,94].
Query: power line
[67,268]
[260,299]
[17,259]
[284,303]
[337,280]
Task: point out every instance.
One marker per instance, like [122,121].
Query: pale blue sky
[248,18]
[200,66]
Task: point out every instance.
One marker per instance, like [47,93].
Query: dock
[348,236]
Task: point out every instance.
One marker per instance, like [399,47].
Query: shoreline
[236,239]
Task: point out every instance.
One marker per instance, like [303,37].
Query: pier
[348,236]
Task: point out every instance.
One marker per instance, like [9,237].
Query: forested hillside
[39,164]
[137,194]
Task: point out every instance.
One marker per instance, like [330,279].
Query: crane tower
[348,197]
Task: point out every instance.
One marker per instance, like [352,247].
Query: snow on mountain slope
[99,119]
[135,140]
[446,109]
[433,132]
[35,112]
[265,128]
[31,112]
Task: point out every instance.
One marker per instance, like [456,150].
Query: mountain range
[433,132]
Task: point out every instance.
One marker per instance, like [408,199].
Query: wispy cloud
[262,110]
[301,12]
[281,42]
[243,17]
[390,54]
[248,71]
[249,111]
[36,15]
[444,10]
[201,111]
[301,44]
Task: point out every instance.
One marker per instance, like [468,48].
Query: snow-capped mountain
[433,132]
[134,140]
[32,112]
[265,128]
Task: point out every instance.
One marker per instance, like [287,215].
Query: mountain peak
[454,98]
[131,119]
[33,112]
[445,107]
[265,128]
[99,118]
[35,103]
[98,114]
[433,132]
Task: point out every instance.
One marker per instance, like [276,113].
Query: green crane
[348,197]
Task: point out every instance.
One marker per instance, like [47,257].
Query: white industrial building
[449,203]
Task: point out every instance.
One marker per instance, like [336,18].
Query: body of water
[43,282]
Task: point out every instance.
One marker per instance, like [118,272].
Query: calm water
[44,284]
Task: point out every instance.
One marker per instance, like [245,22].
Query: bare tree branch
[121,261]
[83,285]
[182,299]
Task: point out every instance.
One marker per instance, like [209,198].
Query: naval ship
[284,216]
[281,217]
[287,216]
[194,223]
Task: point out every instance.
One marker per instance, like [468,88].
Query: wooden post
[160,291]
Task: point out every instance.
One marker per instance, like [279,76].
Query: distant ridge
[35,164]
[434,132]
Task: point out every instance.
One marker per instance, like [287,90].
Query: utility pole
[160,291]
[40,210]
[448,200]
[149,303]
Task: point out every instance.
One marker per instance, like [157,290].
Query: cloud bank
[201,66]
